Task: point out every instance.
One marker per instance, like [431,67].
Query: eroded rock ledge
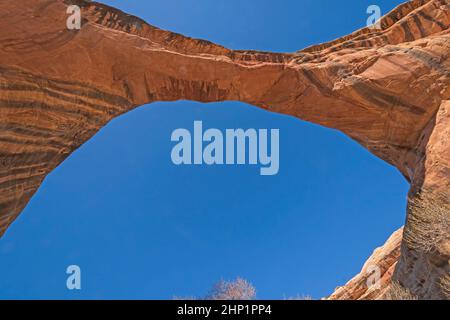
[373,282]
[387,89]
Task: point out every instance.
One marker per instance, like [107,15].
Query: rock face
[375,277]
[387,89]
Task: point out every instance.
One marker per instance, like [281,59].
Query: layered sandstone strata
[373,282]
[387,89]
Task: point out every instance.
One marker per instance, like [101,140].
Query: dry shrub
[184,298]
[445,285]
[428,221]
[299,297]
[398,292]
[238,289]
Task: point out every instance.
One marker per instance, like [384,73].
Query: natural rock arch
[387,89]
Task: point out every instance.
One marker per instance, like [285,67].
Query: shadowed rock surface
[387,89]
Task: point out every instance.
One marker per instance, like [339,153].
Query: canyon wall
[374,280]
[387,89]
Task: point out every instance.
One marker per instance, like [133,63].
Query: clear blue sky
[141,227]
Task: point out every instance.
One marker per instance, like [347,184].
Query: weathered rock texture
[387,89]
[375,277]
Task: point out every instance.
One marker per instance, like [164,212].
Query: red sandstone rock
[380,264]
[389,90]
